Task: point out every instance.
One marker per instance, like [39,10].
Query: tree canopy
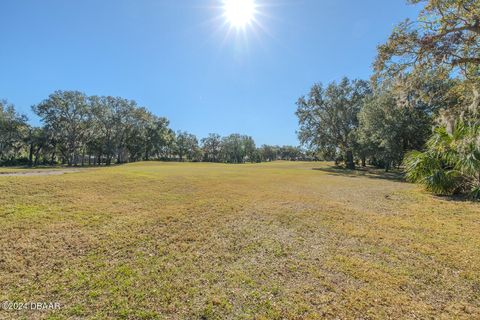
[328,117]
[79,130]
[445,35]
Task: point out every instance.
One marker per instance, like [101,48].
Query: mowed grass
[212,241]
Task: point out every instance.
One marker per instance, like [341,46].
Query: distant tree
[98,130]
[13,132]
[328,117]
[158,136]
[138,141]
[167,150]
[66,112]
[212,147]
[251,153]
[38,141]
[103,142]
[186,146]
[124,126]
[233,149]
[269,153]
[290,153]
[49,149]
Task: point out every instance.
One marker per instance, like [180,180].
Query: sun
[239,13]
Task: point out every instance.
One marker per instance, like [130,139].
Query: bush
[451,162]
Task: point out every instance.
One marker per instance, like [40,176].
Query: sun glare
[239,13]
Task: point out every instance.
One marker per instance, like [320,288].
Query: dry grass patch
[213,241]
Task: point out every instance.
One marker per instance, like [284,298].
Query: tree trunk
[52,160]
[35,163]
[70,159]
[349,160]
[30,155]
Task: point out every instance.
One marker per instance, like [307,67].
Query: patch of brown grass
[213,241]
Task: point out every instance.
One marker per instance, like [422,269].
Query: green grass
[212,241]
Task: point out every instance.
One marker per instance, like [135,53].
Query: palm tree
[451,162]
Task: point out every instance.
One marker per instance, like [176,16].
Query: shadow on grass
[367,172]
[458,198]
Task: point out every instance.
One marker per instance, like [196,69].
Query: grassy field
[212,241]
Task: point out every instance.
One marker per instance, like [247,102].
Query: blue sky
[180,60]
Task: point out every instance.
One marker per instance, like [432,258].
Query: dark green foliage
[451,162]
[236,148]
[391,125]
[186,146]
[97,130]
[289,153]
[82,130]
[328,117]
[13,134]
[444,41]
[211,147]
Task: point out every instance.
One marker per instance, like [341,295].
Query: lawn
[257,241]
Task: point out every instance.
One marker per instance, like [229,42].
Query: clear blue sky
[178,58]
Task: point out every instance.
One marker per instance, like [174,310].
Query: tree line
[420,110]
[91,130]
